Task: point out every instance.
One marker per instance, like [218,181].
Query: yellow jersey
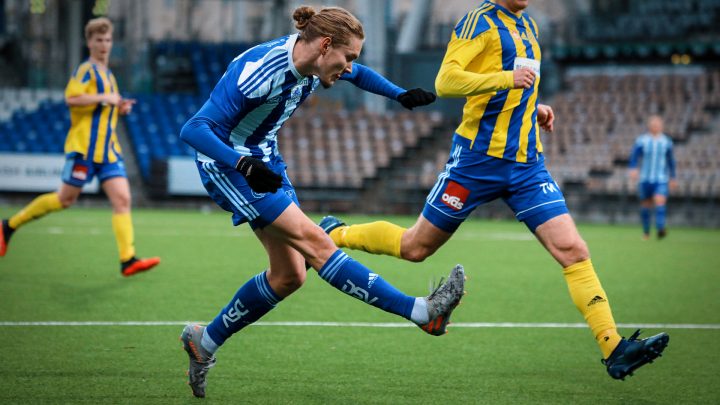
[92,127]
[486,46]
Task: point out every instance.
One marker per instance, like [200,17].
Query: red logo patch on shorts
[79,172]
[455,195]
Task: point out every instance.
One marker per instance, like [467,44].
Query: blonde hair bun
[302,16]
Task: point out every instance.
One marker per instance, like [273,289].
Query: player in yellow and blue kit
[92,149]
[493,60]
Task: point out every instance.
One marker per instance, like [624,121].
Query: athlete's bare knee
[422,240]
[286,282]
[67,200]
[318,246]
[416,253]
[291,281]
[573,251]
[418,244]
[581,251]
[121,204]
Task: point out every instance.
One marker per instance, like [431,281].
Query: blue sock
[660,217]
[645,217]
[356,280]
[250,303]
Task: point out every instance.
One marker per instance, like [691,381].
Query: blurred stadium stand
[155,124]
[603,114]
[342,157]
[32,121]
[651,20]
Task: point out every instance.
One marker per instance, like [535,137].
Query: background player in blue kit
[493,60]
[653,151]
[235,135]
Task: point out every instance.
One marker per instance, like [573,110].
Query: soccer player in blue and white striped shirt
[235,134]
[654,152]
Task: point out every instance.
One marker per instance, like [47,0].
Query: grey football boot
[443,300]
[201,361]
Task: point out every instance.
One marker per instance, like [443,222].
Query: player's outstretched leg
[201,361]
[5,233]
[135,265]
[443,300]
[431,313]
[37,208]
[379,237]
[632,354]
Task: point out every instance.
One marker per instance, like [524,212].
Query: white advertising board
[183,177]
[34,172]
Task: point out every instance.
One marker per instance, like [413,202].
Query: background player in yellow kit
[91,149]
[493,60]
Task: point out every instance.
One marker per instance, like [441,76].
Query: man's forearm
[84,99]
[455,82]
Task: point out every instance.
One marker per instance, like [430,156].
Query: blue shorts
[229,189]
[472,178]
[78,170]
[646,190]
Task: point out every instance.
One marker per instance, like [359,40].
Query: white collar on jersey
[290,46]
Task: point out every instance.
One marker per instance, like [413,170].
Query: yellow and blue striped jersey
[92,127]
[486,45]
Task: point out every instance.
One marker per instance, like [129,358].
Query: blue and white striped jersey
[260,90]
[656,153]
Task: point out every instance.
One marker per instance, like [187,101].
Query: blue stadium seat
[40,130]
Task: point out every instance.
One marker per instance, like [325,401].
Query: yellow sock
[590,298]
[379,237]
[124,235]
[39,207]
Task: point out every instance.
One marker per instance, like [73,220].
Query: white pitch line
[712,326]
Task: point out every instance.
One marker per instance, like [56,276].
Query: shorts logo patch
[455,195]
[548,187]
[79,172]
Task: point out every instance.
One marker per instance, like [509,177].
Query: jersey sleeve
[468,41]
[199,133]
[372,81]
[670,161]
[81,82]
[255,78]
[635,154]
[237,93]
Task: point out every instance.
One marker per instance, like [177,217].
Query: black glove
[415,98]
[259,177]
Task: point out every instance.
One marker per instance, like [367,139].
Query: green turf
[64,268]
